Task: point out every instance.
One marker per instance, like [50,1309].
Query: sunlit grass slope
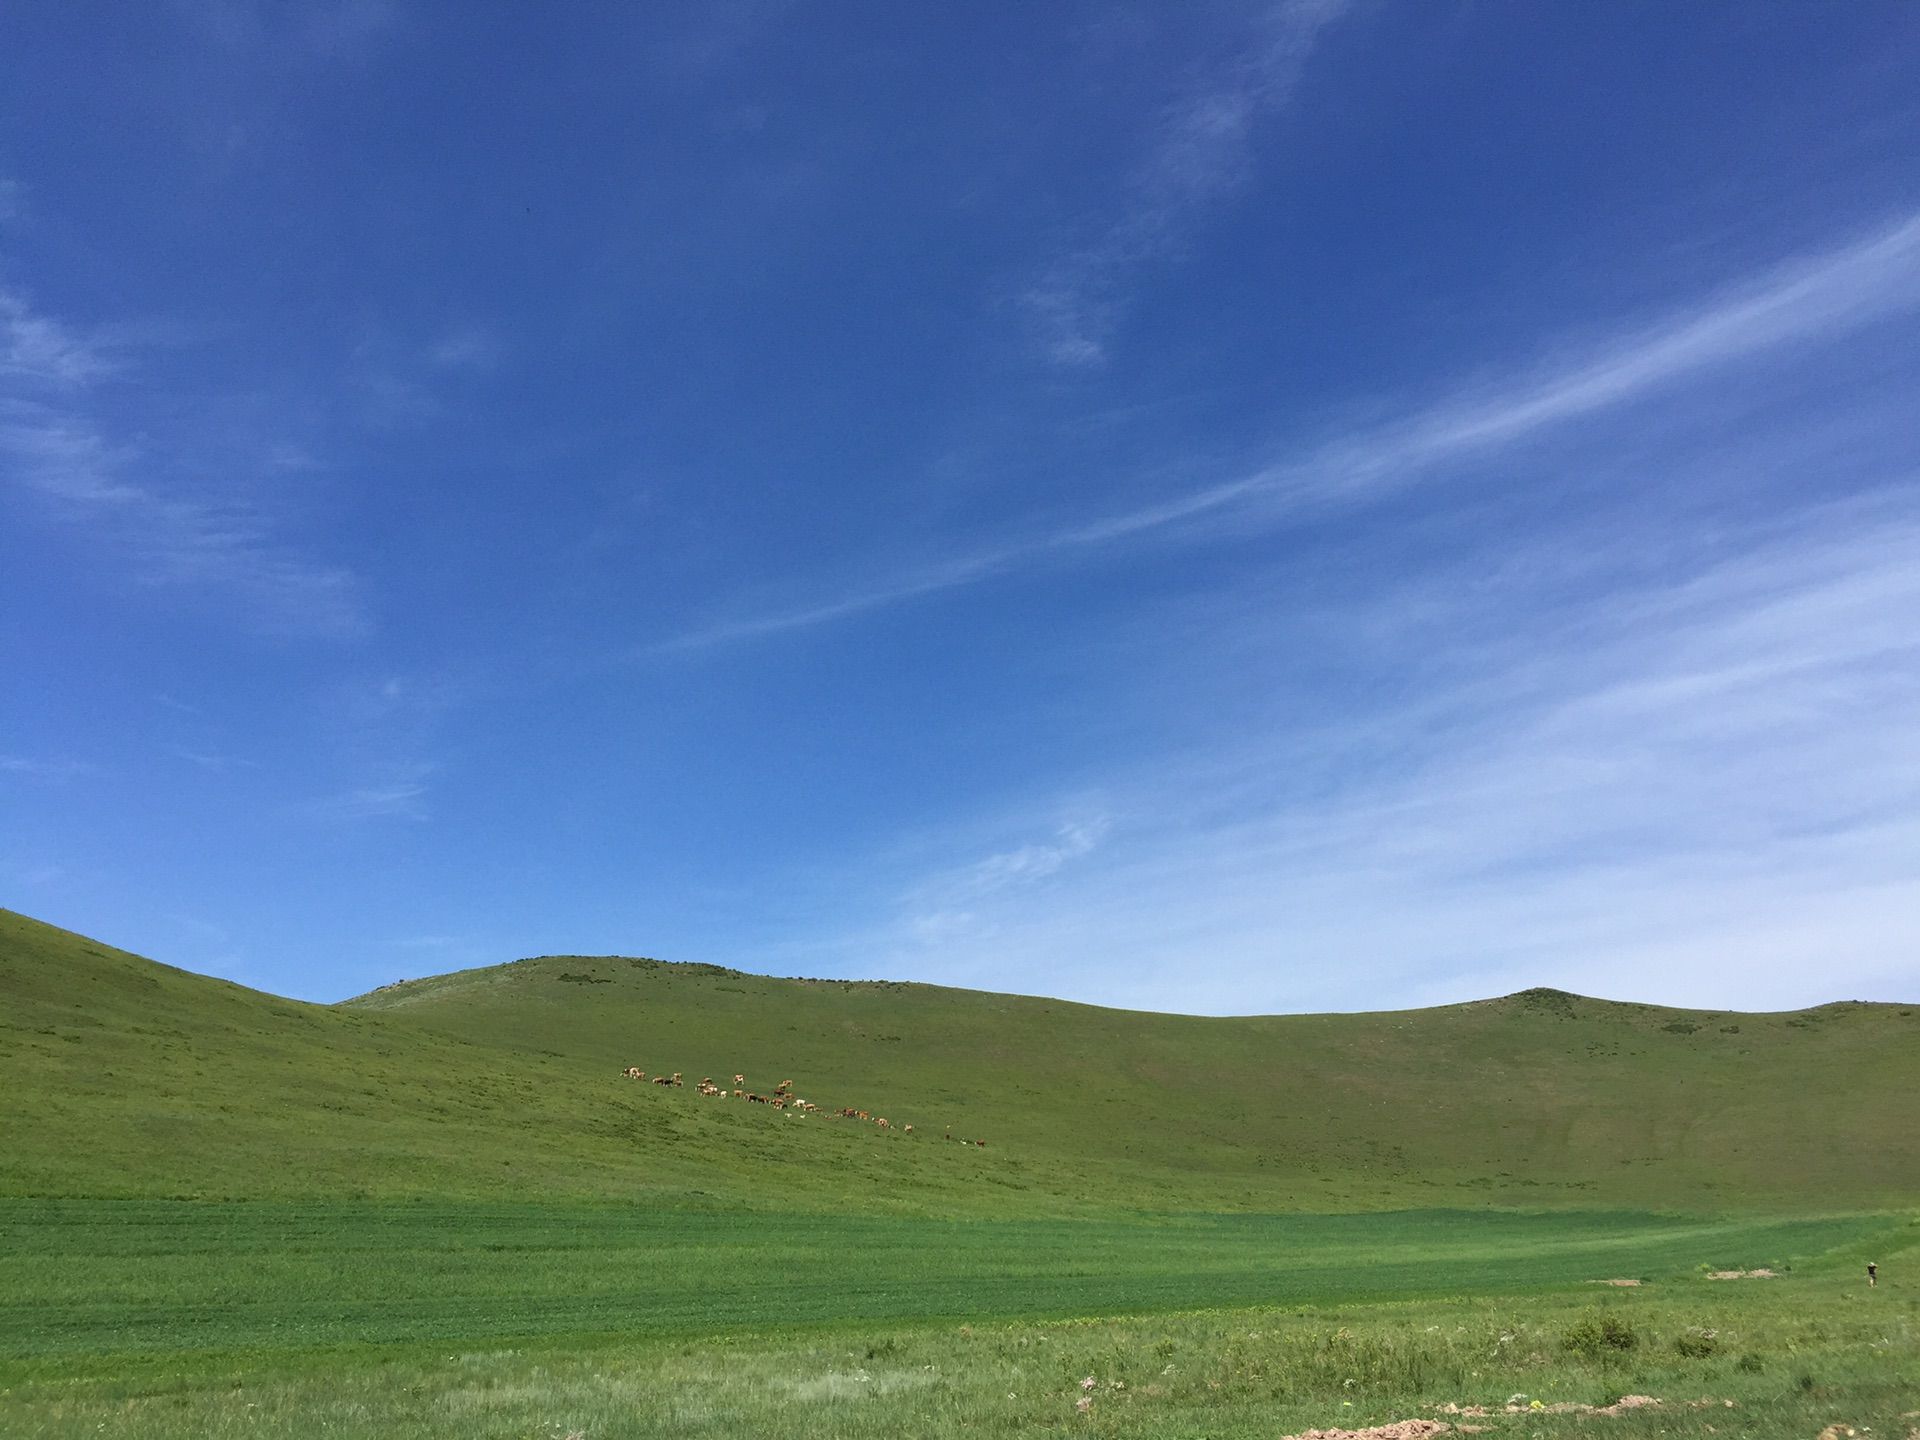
[1536,1096]
[122,1077]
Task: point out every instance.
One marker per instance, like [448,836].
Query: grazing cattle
[634,1072]
[757,1099]
[663,1079]
[981,1143]
[907,1130]
[783,1087]
[739,1079]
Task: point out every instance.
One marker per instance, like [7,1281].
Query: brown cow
[882,1123]
[634,1072]
[739,1079]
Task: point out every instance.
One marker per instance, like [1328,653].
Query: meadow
[413,1321]
[440,1210]
[505,1084]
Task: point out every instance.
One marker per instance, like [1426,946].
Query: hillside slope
[123,1077]
[120,1076]
[1536,1096]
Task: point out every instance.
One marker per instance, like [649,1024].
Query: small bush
[1697,1344]
[1750,1364]
[1596,1336]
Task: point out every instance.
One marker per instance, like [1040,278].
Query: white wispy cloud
[49,771]
[212,761]
[1801,302]
[942,906]
[1199,152]
[402,380]
[1703,791]
[36,347]
[404,799]
[385,726]
[59,443]
[324,30]
[468,347]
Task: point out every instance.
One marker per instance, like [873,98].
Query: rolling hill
[123,1077]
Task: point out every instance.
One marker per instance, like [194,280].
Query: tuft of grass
[1697,1343]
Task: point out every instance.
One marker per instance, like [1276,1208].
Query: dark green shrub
[1750,1364]
[1697,1344]
[1597,1336]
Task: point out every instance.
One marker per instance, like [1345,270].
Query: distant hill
[120,1076]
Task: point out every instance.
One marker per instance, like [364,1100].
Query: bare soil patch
[1558,1407]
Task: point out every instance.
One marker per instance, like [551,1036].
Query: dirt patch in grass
[1558,1407]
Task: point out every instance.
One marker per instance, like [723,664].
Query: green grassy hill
[122,1077]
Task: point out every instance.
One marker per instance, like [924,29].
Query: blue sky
[1202,507]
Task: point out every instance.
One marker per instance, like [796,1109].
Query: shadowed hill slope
[120,1076]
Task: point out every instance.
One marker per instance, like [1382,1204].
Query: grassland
[504,1082]
[165,1324]
[127,1277]
[439,1210]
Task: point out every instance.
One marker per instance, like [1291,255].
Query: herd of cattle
[782,1098]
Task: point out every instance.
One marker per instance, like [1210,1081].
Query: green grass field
[90,1277]
[175,1320]
[505,1083]
[440,1210]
